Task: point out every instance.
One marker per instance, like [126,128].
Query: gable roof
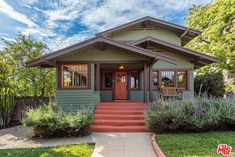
[46,59]
[186,34]
[197,58]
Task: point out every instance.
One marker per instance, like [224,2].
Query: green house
[138,62]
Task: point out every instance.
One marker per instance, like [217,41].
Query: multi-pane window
[75,75]
[155,79]
[108,80]
[167,78]
[173,78]
[135,78]
[182,79]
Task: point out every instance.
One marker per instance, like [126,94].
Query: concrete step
[118,117]
[108,128]
[119,122]
[121,104]
[106,107]
[120,112]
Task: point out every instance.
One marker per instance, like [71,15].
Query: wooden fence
[24,103]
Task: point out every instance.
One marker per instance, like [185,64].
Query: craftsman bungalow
[136,61]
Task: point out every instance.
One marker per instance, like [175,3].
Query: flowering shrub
[191,115]
[50,121]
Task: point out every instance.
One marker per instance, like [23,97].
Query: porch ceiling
[128,66]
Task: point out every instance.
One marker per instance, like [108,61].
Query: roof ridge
[152,19]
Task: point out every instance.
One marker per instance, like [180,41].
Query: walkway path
[123,145]
[19,137]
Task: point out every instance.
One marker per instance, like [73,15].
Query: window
[167,78]
[135,80]
[173,78]
[108,80]
[75,75]
[155,79]
[182,81]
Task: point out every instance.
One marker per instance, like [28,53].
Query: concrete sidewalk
[123,145]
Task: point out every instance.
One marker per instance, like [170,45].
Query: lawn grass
[194,144]
[81,150]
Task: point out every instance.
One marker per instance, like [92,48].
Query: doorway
[121,86]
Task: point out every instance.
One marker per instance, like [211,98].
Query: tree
[7,96]
[27,81]
[209,84]
[217,21]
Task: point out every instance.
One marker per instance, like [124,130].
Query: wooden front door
[121,85]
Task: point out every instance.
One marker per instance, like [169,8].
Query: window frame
[138,74]
[74,87]
[175,80]
[186,80]
[103,80]
[158,79]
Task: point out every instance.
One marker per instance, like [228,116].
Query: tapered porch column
[145,81]
[97,76]
[150,83]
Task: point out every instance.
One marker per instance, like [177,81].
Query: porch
[124,81]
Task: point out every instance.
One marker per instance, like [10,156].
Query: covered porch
[124,81]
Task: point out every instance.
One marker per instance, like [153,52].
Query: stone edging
[156,148]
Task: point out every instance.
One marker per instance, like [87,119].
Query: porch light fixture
[121,67]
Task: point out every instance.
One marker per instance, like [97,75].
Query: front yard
[194,144]
[82,150]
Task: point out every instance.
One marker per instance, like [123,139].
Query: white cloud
[95,15]
[62,41]
[37,32]
[7,9]
[29,2]
[113,12]
[7,39]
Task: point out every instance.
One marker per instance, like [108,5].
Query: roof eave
[209,59]
[45,60]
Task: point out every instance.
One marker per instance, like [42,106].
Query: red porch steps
[119,117]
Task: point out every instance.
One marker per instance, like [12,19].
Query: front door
[121,85]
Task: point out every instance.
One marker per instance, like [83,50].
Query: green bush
[210,84]
[191,115]
[7,105]
[50,121]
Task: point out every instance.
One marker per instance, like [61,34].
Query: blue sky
[63,23]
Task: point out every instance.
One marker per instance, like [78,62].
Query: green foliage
[81,150]
[216,20]
[210,84]
[7,104]
[26,81]
[50,121]
[7,97]
[191,115]
[194,144]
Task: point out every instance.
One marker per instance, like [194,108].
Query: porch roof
[49,60]
[197,58]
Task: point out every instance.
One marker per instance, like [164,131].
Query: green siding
[71,99]
[182,63]
[136,95]
[106,95]
[110,54]
[139,34]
